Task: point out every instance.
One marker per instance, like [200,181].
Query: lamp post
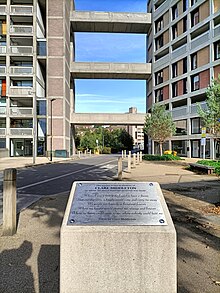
[51,129]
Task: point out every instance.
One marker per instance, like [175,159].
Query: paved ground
[29,261]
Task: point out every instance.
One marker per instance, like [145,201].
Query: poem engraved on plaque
[116,204]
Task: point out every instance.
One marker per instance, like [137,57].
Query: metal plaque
[115,204]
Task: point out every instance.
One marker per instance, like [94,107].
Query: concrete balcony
[21,30]
[3,131]
[111,22]
[3,9]
[20,91]
[101,70]
[3,111]
[21,131]
[19,70]
[2,49]
[20,112]
[21,10]
[108,118]
[179,112]
[2,70]
[194,108]
[21,50]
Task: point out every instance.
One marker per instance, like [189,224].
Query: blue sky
[110,96]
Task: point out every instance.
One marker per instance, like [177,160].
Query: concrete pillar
[9,202]
[119,168]
[129,163]
[134,161]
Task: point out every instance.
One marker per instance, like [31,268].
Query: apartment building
[136,131]
[184,49]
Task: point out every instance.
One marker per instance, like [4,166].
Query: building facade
[184,49]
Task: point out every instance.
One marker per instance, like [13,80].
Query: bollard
[122,154]
[129,153]
[9,202]
[141,157]
[134,161]
[129,164]
[138,158]
[119,168]
[79,152]
[125,154]
[85,152]
[90,153]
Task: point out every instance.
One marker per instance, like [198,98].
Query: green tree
[159,125]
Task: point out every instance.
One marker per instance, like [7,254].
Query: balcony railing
[179,112]
[21,10]
[2,110]
[2,9]
[21,29]
[2,49]
[19,70]
[21,131]
[21,111]
[21,50]
[2,70]
[194,107]
[20,90]
[2,131]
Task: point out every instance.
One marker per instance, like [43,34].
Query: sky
[106,95]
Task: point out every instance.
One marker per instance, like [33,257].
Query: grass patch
[212,163]
[161,158]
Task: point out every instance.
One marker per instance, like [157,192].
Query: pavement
[31,256]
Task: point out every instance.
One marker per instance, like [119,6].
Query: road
[36,182]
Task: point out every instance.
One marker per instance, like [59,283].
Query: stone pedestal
[134,257]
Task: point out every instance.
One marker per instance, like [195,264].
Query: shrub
[106,150]
[215,164]
[161,158]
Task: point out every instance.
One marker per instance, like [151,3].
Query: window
[181,127]
[21,123]
[184,24]
[196,125]
[159,42]
[185,5]
[180,146]
[185,65]
[41,107]
[159,24]
[185,89]
[41,48]
[174,31]
[174,12]
[195,17]
[194,61]
[159,77]
[174,69]
[2,122]
[2,143]
[217,50]
[195,82]
[174,90]
[159,95]
[193,2]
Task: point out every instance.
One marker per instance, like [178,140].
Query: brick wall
[180,88]
[204,79]
[166,37]
[216,71]
[166,92]
[203,56]
[166,74]
[204,11]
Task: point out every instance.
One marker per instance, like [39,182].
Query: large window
[181,127]
[195,82]
[196,125]
[180,146]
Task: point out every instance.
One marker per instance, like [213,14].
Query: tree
[211,115]
[159,126]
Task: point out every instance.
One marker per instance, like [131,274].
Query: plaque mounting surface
[113,203]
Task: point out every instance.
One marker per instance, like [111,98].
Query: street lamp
[51,129]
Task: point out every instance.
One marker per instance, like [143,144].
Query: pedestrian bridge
[108,118]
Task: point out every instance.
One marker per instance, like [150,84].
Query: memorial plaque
[124,203]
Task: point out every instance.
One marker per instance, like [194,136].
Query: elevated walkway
[110,22]
[104,70]
[108,118]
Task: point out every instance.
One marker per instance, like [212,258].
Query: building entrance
[21,147]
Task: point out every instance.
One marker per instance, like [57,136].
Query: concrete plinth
[118,258]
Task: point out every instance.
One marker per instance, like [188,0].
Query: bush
[106,150]
[161,158]
[212,163]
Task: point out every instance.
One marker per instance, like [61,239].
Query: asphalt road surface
[36,182]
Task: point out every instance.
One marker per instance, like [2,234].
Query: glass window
[174,69]
[21,123]
[41,48]
[180,146]
[185,24]
[2,143]
[185,88]
[195,82]
[159,42]
[41,107]
[174,31]
[174,12]
[196,125]
[2,122]
[194,17]
[159,95]
[42,127]
[194,61]
[217,50]
[159,24]
[185,65]
[2,102]
[174,89]
[159,77]
[181,127]
[185,5]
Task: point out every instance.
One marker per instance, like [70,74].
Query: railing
[217,31]
[2,49]
[178,112]
[2,69]
[21,131]
[2,9]
[2,110]
[194,107]
[178,52]
[161,8]
[200,40]
[17,70]
[21,111]
[162,61]
[20,90]
[2,131]
[21,50]
[21,29]
[21,10]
